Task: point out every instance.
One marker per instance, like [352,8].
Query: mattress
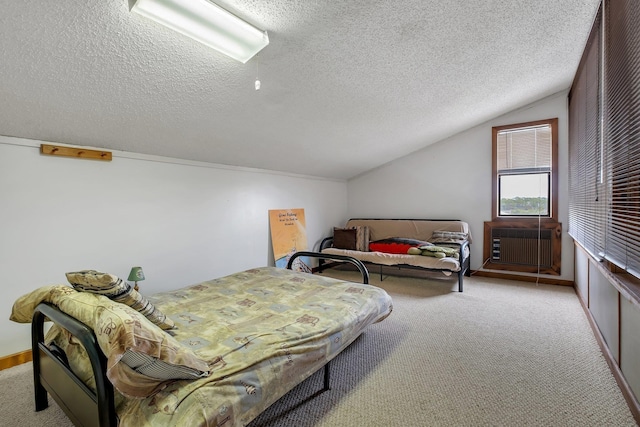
[260,331]
[447,263]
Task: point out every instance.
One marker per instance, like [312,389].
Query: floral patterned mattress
[260,332]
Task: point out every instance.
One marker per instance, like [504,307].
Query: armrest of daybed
[465,263]
[359,265]
[327,242]
[465,258]
[52,373]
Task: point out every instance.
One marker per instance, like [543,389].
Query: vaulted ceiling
[346,86]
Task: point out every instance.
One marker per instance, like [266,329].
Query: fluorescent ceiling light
[207,23]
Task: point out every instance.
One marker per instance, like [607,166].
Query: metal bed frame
[84,407]
[465,262]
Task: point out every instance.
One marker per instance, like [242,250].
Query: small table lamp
[136,275]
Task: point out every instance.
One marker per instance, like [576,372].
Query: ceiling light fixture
[207,23]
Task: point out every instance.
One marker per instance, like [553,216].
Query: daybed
[362,236]
[238,344]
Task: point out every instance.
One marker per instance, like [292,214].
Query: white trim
[24,142]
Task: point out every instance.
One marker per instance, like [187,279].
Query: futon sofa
[425,244]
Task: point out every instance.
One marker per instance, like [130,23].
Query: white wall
[183,222]
[452,179]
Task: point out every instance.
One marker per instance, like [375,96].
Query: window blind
[586,198]
[621,117]
[604,138]
[525,149]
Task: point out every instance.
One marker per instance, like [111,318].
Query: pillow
[354,238]
[443,236]
[141,358]
[158,369]
[344,238]
[439,251]
[414,251]
[395,245]
[119,291]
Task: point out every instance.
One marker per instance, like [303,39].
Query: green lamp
[136,275]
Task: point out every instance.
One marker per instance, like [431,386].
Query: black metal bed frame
[85,407]
[465,262]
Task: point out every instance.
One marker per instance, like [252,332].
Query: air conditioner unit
[519,247]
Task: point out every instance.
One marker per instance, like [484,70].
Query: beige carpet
[502,353]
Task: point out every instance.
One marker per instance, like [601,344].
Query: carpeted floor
[502,353]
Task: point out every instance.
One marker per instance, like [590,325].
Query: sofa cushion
[396,245]
[413,228]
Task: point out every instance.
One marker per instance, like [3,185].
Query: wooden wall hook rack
[77,152]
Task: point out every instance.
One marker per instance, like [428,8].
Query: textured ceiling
[346,86]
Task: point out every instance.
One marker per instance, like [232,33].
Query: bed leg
[460,276]
[37,337]
[42,402]
[326,377]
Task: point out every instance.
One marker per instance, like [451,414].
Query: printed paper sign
[289,235]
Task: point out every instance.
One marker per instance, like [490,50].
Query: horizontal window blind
[604,139]
[621,117]
[524,150]
[586,198]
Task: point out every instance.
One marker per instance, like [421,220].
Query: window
[524,234]
[525,170]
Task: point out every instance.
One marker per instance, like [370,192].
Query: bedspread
[261,332]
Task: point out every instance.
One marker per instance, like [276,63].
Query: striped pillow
[120,291]
[443,236]
[156,368]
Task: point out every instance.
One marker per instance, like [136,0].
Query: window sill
[627,285]
[525,219]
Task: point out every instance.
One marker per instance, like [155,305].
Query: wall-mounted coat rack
[77,152]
